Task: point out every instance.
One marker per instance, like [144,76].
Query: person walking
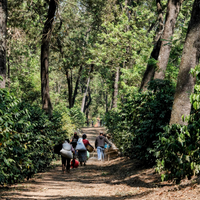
[66,161]
[82,155]
[99,145]
[74,140]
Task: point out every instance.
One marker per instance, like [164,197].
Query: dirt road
[117,179]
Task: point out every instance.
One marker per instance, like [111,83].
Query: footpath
[117,179]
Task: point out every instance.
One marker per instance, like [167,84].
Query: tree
[86,89]
[190,58]
[124,42]
[151,66]
[3,25]
[173,9]
[46,37]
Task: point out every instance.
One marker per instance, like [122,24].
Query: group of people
[100,144]
[98,122]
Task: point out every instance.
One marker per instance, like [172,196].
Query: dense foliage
[27,137]
[136,125]
[177,149]
[177,152]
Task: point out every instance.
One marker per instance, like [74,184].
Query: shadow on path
[117,179]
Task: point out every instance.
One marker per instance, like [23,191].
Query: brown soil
[117,179]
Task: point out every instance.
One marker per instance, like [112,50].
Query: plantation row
[140,129]
[27,136]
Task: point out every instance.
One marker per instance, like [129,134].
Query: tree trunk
[173,9]
[3,25]
[150,70]
[84,95]
[46,102]
[71,96]
[69,88]
[115,92]
[86,89]
[88,101]
[190,58]
[76,86]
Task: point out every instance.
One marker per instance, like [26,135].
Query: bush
[72,119]
[77,117]
[178,152]
[136,126]
[27,137]
[178,147]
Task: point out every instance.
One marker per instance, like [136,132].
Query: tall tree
[150,70]
[86,89]
[190,58]
[3,25]
[46,37]
[173,9]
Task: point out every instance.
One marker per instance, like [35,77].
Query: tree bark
[88,101]
[3,25]
[69,88]
[76,86]
[116,88]
[190,58]
[84,95]
[150,70]
[86,89]
[46,37]
[173,9]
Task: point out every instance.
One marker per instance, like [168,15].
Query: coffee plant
[178,147]
[27,138]
[136,126]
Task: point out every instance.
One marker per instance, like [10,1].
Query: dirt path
[117,179]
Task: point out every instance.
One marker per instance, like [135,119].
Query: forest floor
[117,179]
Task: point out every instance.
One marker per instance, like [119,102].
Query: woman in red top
[85,141]
[82,155]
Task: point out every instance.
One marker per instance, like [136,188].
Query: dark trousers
[66,162]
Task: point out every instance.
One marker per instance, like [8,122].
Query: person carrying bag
[67,155]
[82,151]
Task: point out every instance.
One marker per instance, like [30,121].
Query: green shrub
[73,118]
[178,147]
[27,137]
[77,117]
[135,127]
[177,151]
